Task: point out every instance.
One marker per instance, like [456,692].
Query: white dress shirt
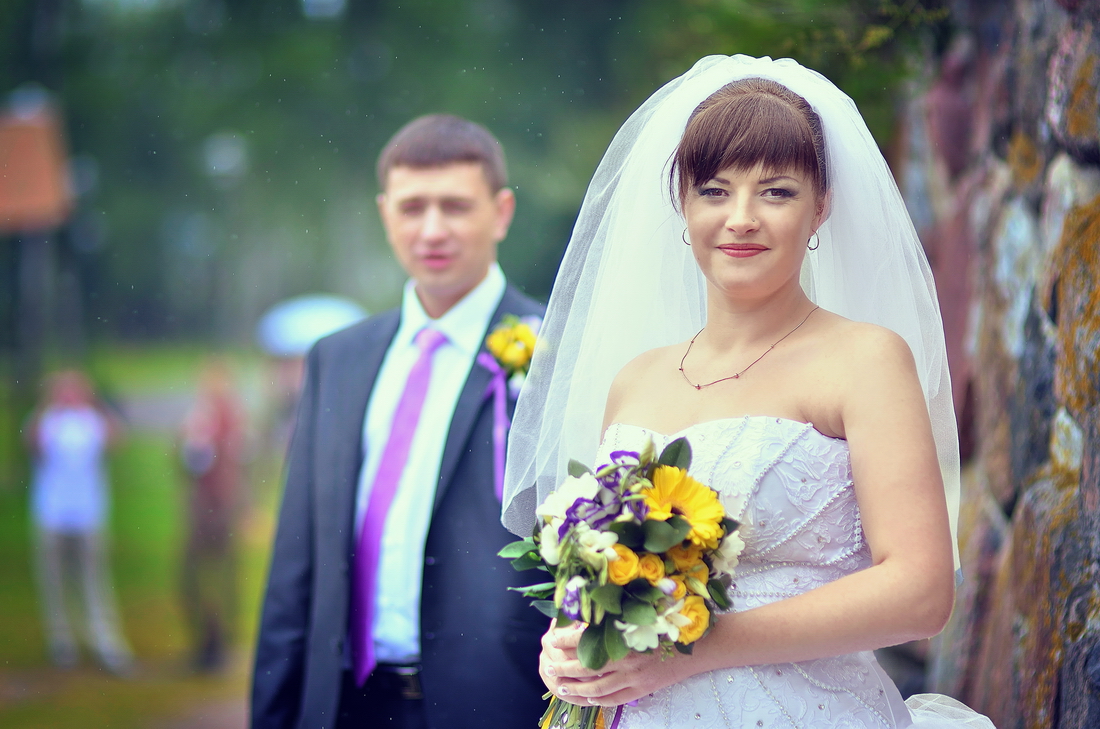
[396,628]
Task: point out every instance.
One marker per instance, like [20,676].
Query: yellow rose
[696,611]
[681,588]
[515,355]
[624,569]
[498,341]
[651,567]
[686,558]
[523,333]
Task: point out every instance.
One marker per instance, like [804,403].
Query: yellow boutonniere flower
[512,343]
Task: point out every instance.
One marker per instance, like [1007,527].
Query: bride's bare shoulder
[641,372]
[653,362]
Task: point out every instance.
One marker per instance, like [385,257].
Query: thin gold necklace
[737,375]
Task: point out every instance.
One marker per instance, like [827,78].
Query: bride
[743,273]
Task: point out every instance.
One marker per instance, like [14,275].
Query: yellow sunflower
[675,492]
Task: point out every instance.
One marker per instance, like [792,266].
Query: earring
[683,237]
[816,245]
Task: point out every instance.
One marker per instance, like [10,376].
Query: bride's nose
[741,218]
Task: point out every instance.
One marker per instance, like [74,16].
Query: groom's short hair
[437,140]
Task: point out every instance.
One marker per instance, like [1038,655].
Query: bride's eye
[711,192]
[779,192]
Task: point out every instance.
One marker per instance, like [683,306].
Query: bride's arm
[906,594]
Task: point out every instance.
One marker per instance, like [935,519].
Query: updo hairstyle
[750,122]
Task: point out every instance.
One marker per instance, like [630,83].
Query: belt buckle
[408,680]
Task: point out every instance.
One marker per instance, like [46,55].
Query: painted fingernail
[563,690]
[593,702]
[550,671]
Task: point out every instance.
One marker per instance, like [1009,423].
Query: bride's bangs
[744,125]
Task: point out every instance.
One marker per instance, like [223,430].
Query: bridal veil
[628,284]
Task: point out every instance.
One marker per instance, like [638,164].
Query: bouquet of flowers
[639,551]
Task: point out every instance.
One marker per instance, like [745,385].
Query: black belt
[403,680]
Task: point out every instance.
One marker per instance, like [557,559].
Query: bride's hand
[616,683]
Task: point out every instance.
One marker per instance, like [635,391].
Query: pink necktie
[390,468]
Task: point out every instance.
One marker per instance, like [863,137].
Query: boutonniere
[512,344]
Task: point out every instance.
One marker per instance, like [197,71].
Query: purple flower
[571,603]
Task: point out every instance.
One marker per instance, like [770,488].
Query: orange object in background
[34,178]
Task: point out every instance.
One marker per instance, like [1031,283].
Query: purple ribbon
[498,389]
[618,716]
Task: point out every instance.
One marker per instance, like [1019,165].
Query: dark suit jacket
[479,642]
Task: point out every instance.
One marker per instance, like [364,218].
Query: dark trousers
[381,703]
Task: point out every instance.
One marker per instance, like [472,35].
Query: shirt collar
[464,324]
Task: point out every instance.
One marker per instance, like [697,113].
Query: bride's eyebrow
[776,178]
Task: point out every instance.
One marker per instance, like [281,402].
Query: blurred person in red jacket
[212,443]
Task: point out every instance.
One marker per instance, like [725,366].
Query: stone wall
[1001,170]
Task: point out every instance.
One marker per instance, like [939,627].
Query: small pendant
[737,376]
[698,387]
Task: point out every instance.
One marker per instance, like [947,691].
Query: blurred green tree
[224,149]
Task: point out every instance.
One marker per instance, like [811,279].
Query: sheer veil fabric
[628,284]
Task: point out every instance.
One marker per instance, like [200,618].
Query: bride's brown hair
[750,122]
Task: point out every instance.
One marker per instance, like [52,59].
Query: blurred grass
[147,532]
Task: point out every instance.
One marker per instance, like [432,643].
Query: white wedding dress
[791,489]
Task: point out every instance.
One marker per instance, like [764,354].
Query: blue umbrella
[289,328]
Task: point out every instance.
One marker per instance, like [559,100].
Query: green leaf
[730,525]
[680,524]
[529,561]
[637,612]
[546,607]
[640,589]
[660,536]
[630,534]
[614,644]
[563,621]
[591,650]
[685,649]
[609,597]
[578,469]
[718,593]
[542,589]
[677,453]
[517,549]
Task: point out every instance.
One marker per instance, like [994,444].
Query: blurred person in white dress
[68,436]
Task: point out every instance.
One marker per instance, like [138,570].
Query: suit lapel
[351,406]
[468,407]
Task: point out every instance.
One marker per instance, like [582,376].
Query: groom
[386,604]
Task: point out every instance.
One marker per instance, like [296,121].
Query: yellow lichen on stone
[1077,372]
[1044,518]
[1024,159]
[1083,109]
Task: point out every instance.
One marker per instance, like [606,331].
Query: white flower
[533,322]
[666,585]
[571,489]
[725,558]
[595,547]
[548,544]
[670,621]
[639,637]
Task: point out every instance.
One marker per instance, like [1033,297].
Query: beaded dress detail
[791,489]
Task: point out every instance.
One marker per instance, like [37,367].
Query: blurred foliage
[224,149]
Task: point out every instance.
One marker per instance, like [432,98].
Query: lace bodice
[791,489]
